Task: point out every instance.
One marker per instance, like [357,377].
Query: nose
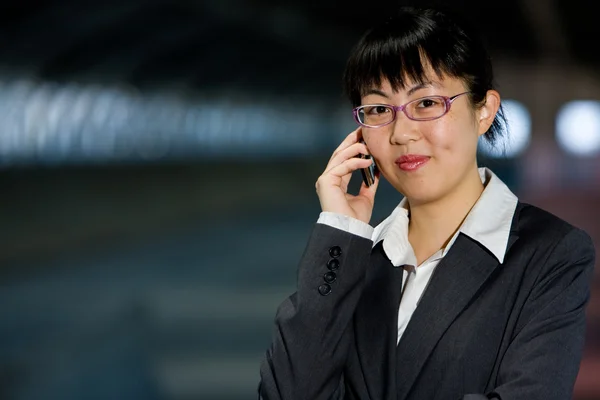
[404,130]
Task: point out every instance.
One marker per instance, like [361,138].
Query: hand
[332,185]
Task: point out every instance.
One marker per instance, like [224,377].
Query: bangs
[419,45]
[406,50]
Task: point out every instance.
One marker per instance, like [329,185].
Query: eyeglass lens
[421,109]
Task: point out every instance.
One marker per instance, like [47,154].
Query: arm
[312,331]
[543,358]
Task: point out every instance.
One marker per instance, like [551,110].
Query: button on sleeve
[324,289]
[330,277]
[333,264]
[335,251]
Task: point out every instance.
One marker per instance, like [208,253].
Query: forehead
[409,86]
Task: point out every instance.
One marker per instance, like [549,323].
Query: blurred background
[157,169]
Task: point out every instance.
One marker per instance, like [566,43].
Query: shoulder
[535,222]
[556,259]
[546,233]
[528,216]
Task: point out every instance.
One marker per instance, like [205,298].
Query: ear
[487,112]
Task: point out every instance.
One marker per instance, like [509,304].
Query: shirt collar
[488,223]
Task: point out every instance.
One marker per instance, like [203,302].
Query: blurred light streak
[45,122]
[578,127]
[518,136]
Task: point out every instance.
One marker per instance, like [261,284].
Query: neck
[433,224]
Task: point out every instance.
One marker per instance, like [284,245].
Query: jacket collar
[488,223]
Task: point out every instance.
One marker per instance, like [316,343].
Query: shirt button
[335,251]
[324,289]
[330,277]
[333,264]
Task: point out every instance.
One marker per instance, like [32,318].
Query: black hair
[406,43]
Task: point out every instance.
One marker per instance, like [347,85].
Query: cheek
[441,135]
[453,136]
[375,142]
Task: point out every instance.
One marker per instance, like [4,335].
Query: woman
[463,292]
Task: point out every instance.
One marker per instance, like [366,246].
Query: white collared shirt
[488,223]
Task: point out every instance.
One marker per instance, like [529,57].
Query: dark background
[158,161]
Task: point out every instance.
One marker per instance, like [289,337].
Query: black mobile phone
[368,174]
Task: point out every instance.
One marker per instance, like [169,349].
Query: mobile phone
[368,174]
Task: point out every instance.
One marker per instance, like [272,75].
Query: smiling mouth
[411,162]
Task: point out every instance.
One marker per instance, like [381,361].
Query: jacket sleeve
[542,360]
[312,327]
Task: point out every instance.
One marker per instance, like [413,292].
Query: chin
[418,195]
[420,198]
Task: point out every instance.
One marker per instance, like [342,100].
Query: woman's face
[426,160]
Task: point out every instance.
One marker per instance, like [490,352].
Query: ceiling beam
[550,36]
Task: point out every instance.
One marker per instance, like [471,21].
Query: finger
[351,139]
[369,191]
[347,153]
[348,166]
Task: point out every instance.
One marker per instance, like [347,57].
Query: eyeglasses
[422,109]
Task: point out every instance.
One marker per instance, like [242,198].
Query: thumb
[369,191]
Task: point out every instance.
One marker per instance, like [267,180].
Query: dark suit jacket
[481,330]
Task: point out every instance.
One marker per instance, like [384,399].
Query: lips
[411,162]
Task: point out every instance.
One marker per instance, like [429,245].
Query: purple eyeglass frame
[447,100]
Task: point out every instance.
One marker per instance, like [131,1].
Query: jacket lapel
[514,227]
[456,280]
[377,332]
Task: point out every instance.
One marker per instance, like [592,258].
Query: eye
[376,110]
[428,102]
